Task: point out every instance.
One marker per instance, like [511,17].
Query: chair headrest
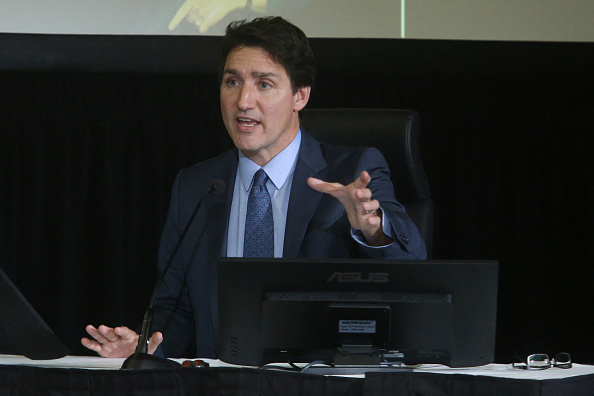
[394,132]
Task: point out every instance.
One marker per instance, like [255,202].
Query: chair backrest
[396,134]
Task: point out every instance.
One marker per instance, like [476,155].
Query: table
[100,376]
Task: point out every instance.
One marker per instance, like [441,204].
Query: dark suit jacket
[317,227]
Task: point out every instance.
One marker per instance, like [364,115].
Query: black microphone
[141,359]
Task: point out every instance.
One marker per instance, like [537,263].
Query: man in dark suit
[311,206]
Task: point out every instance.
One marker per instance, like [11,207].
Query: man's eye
[232,83]
[265,85]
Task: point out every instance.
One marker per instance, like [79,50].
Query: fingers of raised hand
[370,208]
[362,200]
[362,194]
[362,181]
[355,197]
[324,187]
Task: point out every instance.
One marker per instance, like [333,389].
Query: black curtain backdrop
[94,129]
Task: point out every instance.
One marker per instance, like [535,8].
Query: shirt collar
[278,169]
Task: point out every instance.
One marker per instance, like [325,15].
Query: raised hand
[364,213]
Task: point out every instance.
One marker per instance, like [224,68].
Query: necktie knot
[260,178]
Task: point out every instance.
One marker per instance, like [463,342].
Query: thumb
[155,341]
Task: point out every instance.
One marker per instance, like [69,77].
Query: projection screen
[528,20]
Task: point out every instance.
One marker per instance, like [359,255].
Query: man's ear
[301,98]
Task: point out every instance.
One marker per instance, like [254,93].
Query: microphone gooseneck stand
[141,359]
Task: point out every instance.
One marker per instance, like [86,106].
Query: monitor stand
[361,355]
[356,360]
[353,370]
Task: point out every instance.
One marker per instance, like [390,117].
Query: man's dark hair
[287,44]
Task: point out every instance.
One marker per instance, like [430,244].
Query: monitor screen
[357,312]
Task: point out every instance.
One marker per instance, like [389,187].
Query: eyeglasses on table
[541,361]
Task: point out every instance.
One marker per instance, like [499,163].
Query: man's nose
[247,97]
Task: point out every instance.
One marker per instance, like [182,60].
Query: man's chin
[248,150]
[244,141]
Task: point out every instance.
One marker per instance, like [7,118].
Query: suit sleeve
[408,243]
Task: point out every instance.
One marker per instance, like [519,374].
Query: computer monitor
[22,330]
[357,312]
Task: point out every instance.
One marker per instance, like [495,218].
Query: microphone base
[139,360]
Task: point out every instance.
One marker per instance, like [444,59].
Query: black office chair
[396,134]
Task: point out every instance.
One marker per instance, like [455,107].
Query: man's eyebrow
[253,74]
[263,74]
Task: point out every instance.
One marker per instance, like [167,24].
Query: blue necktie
[259,226]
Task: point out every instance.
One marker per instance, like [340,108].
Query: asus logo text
[374,277]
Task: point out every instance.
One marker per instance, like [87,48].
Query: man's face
[259,108]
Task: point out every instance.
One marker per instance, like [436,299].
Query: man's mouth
[247,122]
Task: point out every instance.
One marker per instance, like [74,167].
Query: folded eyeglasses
[541,361]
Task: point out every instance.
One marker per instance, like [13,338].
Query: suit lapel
[303,200]
[217,208]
